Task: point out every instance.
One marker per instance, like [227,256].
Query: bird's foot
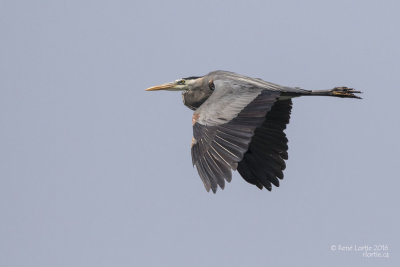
[345,92]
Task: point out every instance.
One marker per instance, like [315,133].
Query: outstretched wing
[223,127]
[263,162]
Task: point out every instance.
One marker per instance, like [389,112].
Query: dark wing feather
[218,148]
[263,162]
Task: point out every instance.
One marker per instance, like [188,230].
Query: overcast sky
[94,171]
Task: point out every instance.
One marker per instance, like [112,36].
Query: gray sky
[94,171]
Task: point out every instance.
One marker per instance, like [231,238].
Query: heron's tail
[344,92]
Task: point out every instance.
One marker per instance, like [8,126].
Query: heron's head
[195,90]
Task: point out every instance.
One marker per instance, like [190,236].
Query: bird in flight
[238,124]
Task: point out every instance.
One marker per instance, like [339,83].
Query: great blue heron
[238,124]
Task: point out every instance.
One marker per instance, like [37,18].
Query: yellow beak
[166,86]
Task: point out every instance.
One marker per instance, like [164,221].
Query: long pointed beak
[166,86]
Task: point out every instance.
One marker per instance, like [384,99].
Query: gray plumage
[238,124]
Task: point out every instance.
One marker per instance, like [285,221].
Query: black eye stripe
[191,78]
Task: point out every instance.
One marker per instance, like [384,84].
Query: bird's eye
[211,85]
[181,82]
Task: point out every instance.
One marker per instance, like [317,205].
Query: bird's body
[238,124]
